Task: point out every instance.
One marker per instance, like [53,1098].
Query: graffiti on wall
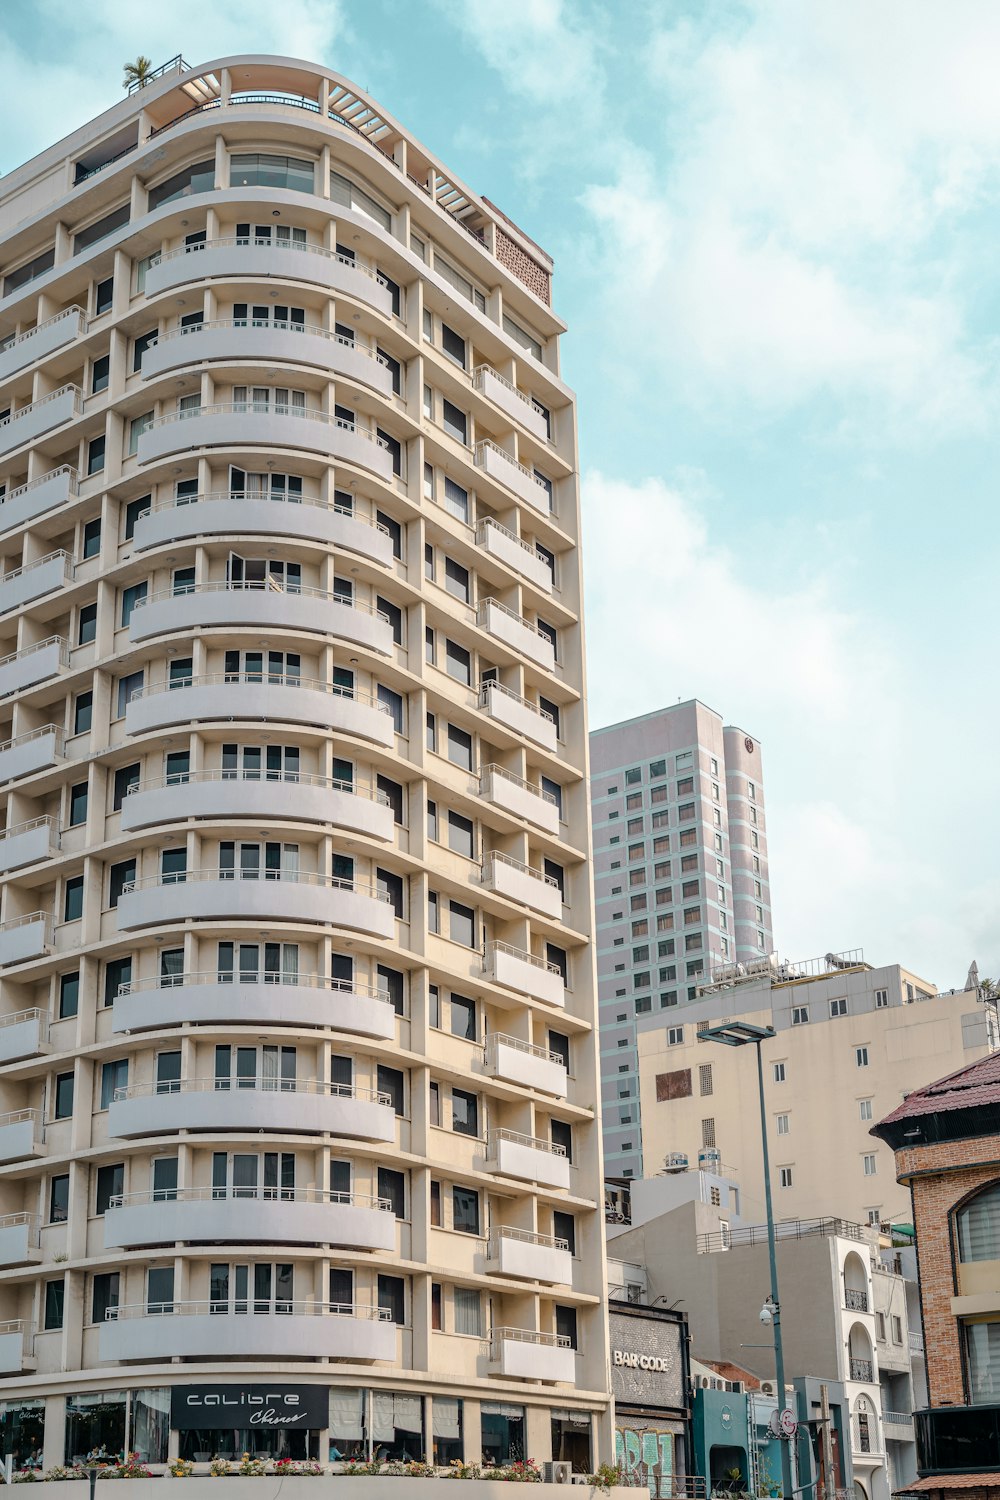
[645,1457]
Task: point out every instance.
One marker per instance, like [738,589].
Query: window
[83,712]
[897,1329]
[462,924]
[705,1078]
[838,1007]
[54,1298]
[126,777]
[453,345]
[463,1018]
[114,1076]
[781,1124]
[199,178]
[63,1102]
[800,1015]
[132,596]
[561,1134]
[454,421]
[464,1112]
[136,428]
[881,999]
[675,1036]
[778,1072]
[59,1199]
[465,1210]
[86,624]
[394,703]
[564,1228]
[95,455]
[73,899]
[392,1297]
[459,747]
[392,1186]
[785,1177]
[461,835]
[69,994]
[78,804]
[110,1184]
[92,538]
[861,1056]
[978,1226]
[865,1109]
[121,875]
[566,1325]
[260,169]
[105,1295]
[390,1081]
[869,1164]
[128,687]
[458,662]
[456,500]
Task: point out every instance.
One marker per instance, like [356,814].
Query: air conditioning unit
[557,1473]
[767,1387]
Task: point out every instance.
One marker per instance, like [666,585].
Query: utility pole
[826,1441]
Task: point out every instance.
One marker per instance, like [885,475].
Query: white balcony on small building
[529,1158]
[54,333]
[17,1354]
[512,794]
[520,1354]
[522,883]
[38,750]
[246,696]
[250,514]
[514,403]
[27,843]
[24,1033]
[21,1136]
[303,1106]
[211,605]
[249,424]
[514,1061]
[272,1216]
[231,1330]
[19,1244]
[513,630]
[507,547]
[25,937]
[287,895]
[519,715]
[33,664]
[34,580]
[354,807]
[257,258]
[29,501]
[516,970]
[31,422]
[269,1000]
[235,340]
[535,1257]
[504,468]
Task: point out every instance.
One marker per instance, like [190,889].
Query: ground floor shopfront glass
[502,1426]
[22,1430]
[571,1440]
[202,1444]
[97,1422]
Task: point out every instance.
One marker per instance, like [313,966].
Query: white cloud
[539,48]
[871,788]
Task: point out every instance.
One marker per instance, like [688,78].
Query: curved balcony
[240,339]
[268,895]
[210,605]
[277,1105]
[246,696]
[236,513]
[281,1000]
[294,798]
[41,341]
[253,258]
[273,1216]
[234,1330]
[244,424]
[29,501]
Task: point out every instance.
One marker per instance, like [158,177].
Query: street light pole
[743,1034]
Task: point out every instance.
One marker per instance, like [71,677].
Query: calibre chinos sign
[200,1407]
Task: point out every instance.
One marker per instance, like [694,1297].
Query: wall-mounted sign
[199,1407]
[647,1361]
[627,1359]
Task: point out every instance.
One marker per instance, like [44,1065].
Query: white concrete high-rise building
[298,1059]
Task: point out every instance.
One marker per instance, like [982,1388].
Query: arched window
[979,1226]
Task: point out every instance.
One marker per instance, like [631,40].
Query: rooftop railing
[785,1229]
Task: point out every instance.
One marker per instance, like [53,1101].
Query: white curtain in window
[979,1227]
[347,1410]
[390,1411]
[983,1345]
[468,1311]
[446,1417]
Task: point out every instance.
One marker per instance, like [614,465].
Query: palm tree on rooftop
[138,73]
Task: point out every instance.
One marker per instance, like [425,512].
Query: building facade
[947,1146]
[651,1384]
[681,884]
[290,617]
[851,1041]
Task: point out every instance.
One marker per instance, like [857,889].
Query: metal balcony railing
[861,1369]
[856,1300]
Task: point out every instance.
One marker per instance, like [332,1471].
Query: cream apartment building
[851,1041]
[298,1059]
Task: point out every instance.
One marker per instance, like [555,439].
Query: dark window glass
[54,1296]
[453,344]
[114,1076]
[459,747]
[390,1081]
[394,703]
[92,538]
[117,971]
[199,178]
[464,1113]
[463,1017]
[395,616]
[392,1185]
[392,885]
[110,1184]
[105,296]
[456,579]
[99,373]
[122,874]
[562,1135]
[95,455]
[133,511]
[87,624]
[559,1044]
[59,1199]
[78,804]
[458,662]
[141,344]
[566,1324]
[106,1292]
[392,1297]
[564,1228]
[69,994]
[84,238]
[395,531]
[83,712]
[462,924]
[63,1096]
[454,421]
[126,777]
[465,1210]
[73,899]
[552,709]
[557,957]
[392,980]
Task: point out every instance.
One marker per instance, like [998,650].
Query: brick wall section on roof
[520,264]
[957,1169]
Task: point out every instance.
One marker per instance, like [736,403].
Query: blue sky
[774,228]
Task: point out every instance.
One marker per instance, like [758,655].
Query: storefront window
[348,1432]
[571,1440]
[149,1431]
[397,1426]
[95,1423]
[22,1427]
[447,1420]
[503,1432]
[201,1444]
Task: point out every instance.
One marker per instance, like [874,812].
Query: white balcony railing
[312,1086]
[215,977]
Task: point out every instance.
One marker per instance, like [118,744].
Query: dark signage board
[295,1407]
[647,1361]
